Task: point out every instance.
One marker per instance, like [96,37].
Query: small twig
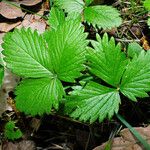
[126,40]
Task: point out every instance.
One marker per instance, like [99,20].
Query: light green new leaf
[38,96]
[67,47]
[104,17]
[136,79]
[106,60]
[147,4]
[57,17]
[93,102]
[26,54]
[70,5]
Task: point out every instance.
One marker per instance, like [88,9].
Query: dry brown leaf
[9,83]
[23,145]
[35,24]
[5,26]
[9,11]
[30,2]
[145,43]
[127,141]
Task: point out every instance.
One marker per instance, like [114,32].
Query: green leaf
[136,78]
[88,2]
[93,102]
[26,54]
[147,4]
[74,16]
[10,132]
[104,17]
[134,49]
[106,60]
[56,18]
[70,5]
[67,47]
[38,96]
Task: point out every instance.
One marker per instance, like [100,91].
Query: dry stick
[10,3]
[127,41]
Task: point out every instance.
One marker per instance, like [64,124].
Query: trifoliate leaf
[93,102]
[147,4]
[70,5]
[107,61]
[104,17]
[67,47]
[134,49]
[1,74]
[136,78]
[10,132]
[38,96]
[26,54]
[88,2]
[57,17]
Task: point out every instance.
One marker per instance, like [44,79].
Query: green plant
[147,6]
[101,16]
[61,55]
[128,76]
[11,132]
[56,56]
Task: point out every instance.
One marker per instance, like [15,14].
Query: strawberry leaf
[104,17]
[134,49]
[88,2]
[106,60]
[67,47]
[56,18]
[26,55]
[70,5]
[147,4]
[38,96]
[10,132]
[136,78]
[93,102]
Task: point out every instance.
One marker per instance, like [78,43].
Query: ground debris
[127,141]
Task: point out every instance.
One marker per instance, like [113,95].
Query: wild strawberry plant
[11,132]
[100,16]
[147,6]
[63,55]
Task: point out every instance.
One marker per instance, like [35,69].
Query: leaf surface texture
[94,102]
